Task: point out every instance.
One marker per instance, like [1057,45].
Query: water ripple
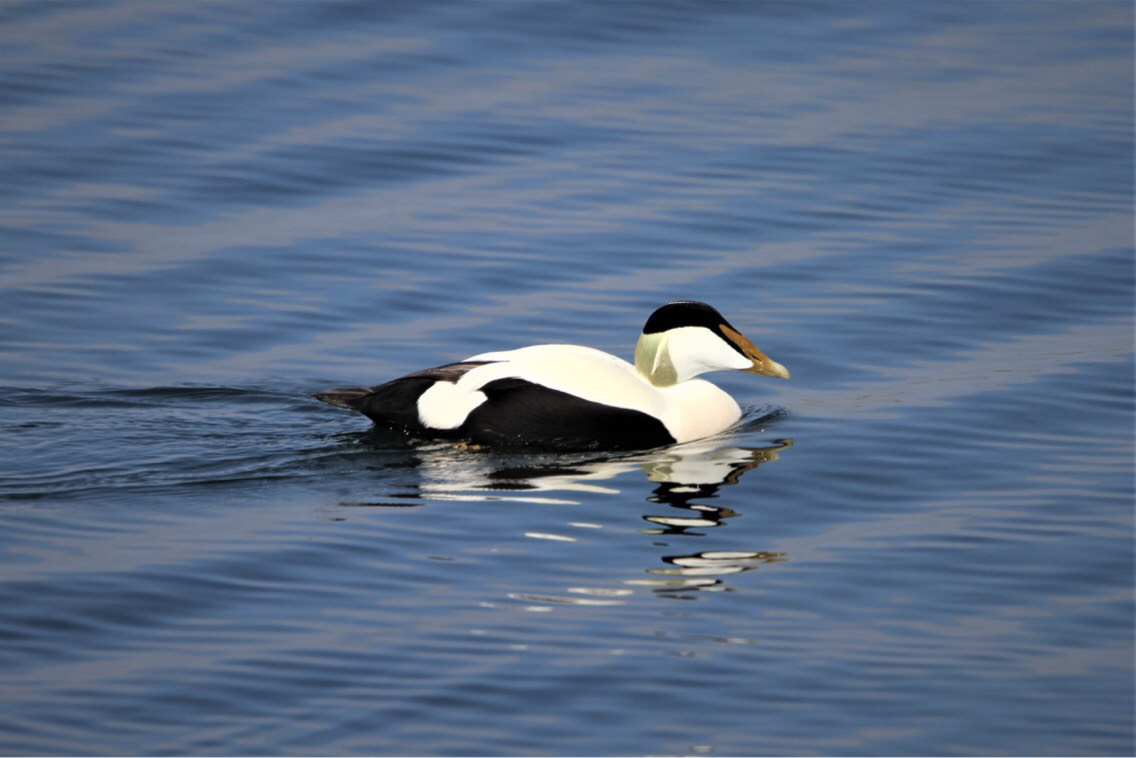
[922,543]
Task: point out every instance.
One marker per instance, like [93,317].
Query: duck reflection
[703,571]
[692,476]
[685,476]
[699,472]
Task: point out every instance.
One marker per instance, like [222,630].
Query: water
[921,545]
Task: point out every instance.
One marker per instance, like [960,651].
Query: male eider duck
[568,397]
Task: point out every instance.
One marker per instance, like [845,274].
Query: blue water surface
[922,544]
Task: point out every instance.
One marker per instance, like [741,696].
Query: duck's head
[684,339]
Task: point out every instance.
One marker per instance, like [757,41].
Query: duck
[574,398]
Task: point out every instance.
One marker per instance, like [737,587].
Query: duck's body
[572,397]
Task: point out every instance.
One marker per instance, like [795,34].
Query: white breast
[696,408]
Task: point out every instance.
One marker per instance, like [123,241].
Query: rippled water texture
[923,544]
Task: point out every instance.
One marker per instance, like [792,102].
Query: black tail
[395,403]
[351,398]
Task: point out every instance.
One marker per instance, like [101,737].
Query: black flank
[519,412]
